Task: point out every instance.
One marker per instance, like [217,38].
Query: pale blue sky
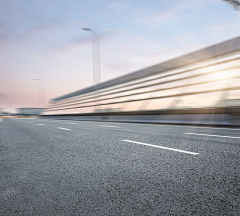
[43,39]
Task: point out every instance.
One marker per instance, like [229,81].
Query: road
[61,167]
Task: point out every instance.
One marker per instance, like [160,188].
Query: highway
[62,167]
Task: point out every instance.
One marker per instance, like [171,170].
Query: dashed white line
[64,128]
[162,147]
[72,123]
[40,124]
[213,135]
[109,126]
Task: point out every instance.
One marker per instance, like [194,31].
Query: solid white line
[162,147]
[64,128]
[109,126]
[197,127]
[40,124]
[213,135]
[167,125]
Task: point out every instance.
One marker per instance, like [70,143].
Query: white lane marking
[64,128]
[167,125]
[40,124]
[1,120]
[162,147]
[72,123]
[198,127]
[213,135]
[28,122]
[109,126]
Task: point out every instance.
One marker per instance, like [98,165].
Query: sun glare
[224,75]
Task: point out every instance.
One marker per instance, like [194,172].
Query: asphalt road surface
[54,167]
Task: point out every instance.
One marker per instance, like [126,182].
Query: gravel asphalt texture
[46,169]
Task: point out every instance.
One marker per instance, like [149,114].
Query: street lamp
[234,3]
[39,92]
[95,55]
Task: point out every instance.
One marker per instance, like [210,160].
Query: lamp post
[95,55]
[39,92]
[234,3]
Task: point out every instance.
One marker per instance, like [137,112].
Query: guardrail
[217,116]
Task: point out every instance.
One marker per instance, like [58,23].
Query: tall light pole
[39,92]
[95,55]
[234,3]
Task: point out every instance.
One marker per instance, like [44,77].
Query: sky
[43,39]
